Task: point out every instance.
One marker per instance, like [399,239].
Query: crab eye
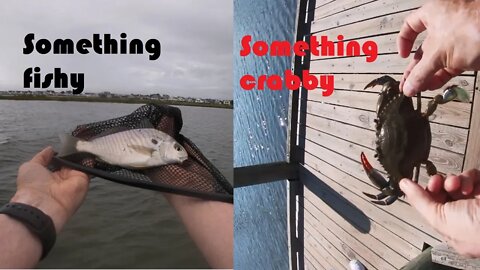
[154,141]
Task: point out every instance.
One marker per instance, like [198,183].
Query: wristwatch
[35,220]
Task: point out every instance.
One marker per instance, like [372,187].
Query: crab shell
[403,134]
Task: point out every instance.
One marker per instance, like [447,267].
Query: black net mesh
[196,176]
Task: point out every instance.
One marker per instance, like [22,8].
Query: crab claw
[388,201]
[381,81]
[377,179]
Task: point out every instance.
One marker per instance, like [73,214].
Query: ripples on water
[260,135]
[117,226]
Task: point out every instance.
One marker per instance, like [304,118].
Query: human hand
[58,194]
[452,44]
[452,207]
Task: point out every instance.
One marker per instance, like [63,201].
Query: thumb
[420,75]
[44,157]
[421,200]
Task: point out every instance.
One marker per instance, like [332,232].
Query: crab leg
[451,93]
[379,196]
[431,169]
[432,105]
[377,179]
[417,172]
[388,201]
[381,81]
[419,102]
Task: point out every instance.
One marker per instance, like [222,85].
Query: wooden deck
[337,222]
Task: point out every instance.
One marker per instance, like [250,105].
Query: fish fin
[69,144]
[109,131]
[141,149]
[144,123]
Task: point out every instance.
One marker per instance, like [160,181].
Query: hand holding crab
[452,207]
[451,45]
[452,204]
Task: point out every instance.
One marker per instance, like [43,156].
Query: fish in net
[196,176]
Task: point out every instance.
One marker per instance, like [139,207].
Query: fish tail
[69,144]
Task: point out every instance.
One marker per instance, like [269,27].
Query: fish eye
[154,141]
[177,147]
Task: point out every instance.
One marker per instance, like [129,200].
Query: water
[117,226]
[260,135]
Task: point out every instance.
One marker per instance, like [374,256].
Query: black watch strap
[35,220]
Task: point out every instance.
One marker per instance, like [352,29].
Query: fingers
[75,173]
[452,183]
[81,179]
[467,186]
[426,70]
[469,179]
[435,189]
[435,184]
[44,157]
[410,66]
[441,77]
[67,173]
[421,200]
[463,186]
[412,26]
[421,74]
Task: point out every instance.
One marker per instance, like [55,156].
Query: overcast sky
[195,35]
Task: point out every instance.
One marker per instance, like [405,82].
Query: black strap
[35,220]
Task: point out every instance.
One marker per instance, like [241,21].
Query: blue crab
[403,137]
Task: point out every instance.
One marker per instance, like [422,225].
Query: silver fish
[135,148]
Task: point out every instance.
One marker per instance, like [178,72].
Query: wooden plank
[313,262]
[348,162]
[391,63]
[363,12]
[318,254]
[385,43]
[452,113]
[398,218]
[364,118]
[319,245]
[357,82]
[443,254]
[321,3]
[356,117]
[318,231]
[376,238]
[361,184]
[472,155]
[344,242]
[443,137]
[309,265]
[361,244]
[335,7]
[371,27]
[446,162]
[352,178]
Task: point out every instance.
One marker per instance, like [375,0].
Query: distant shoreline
[116,100]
